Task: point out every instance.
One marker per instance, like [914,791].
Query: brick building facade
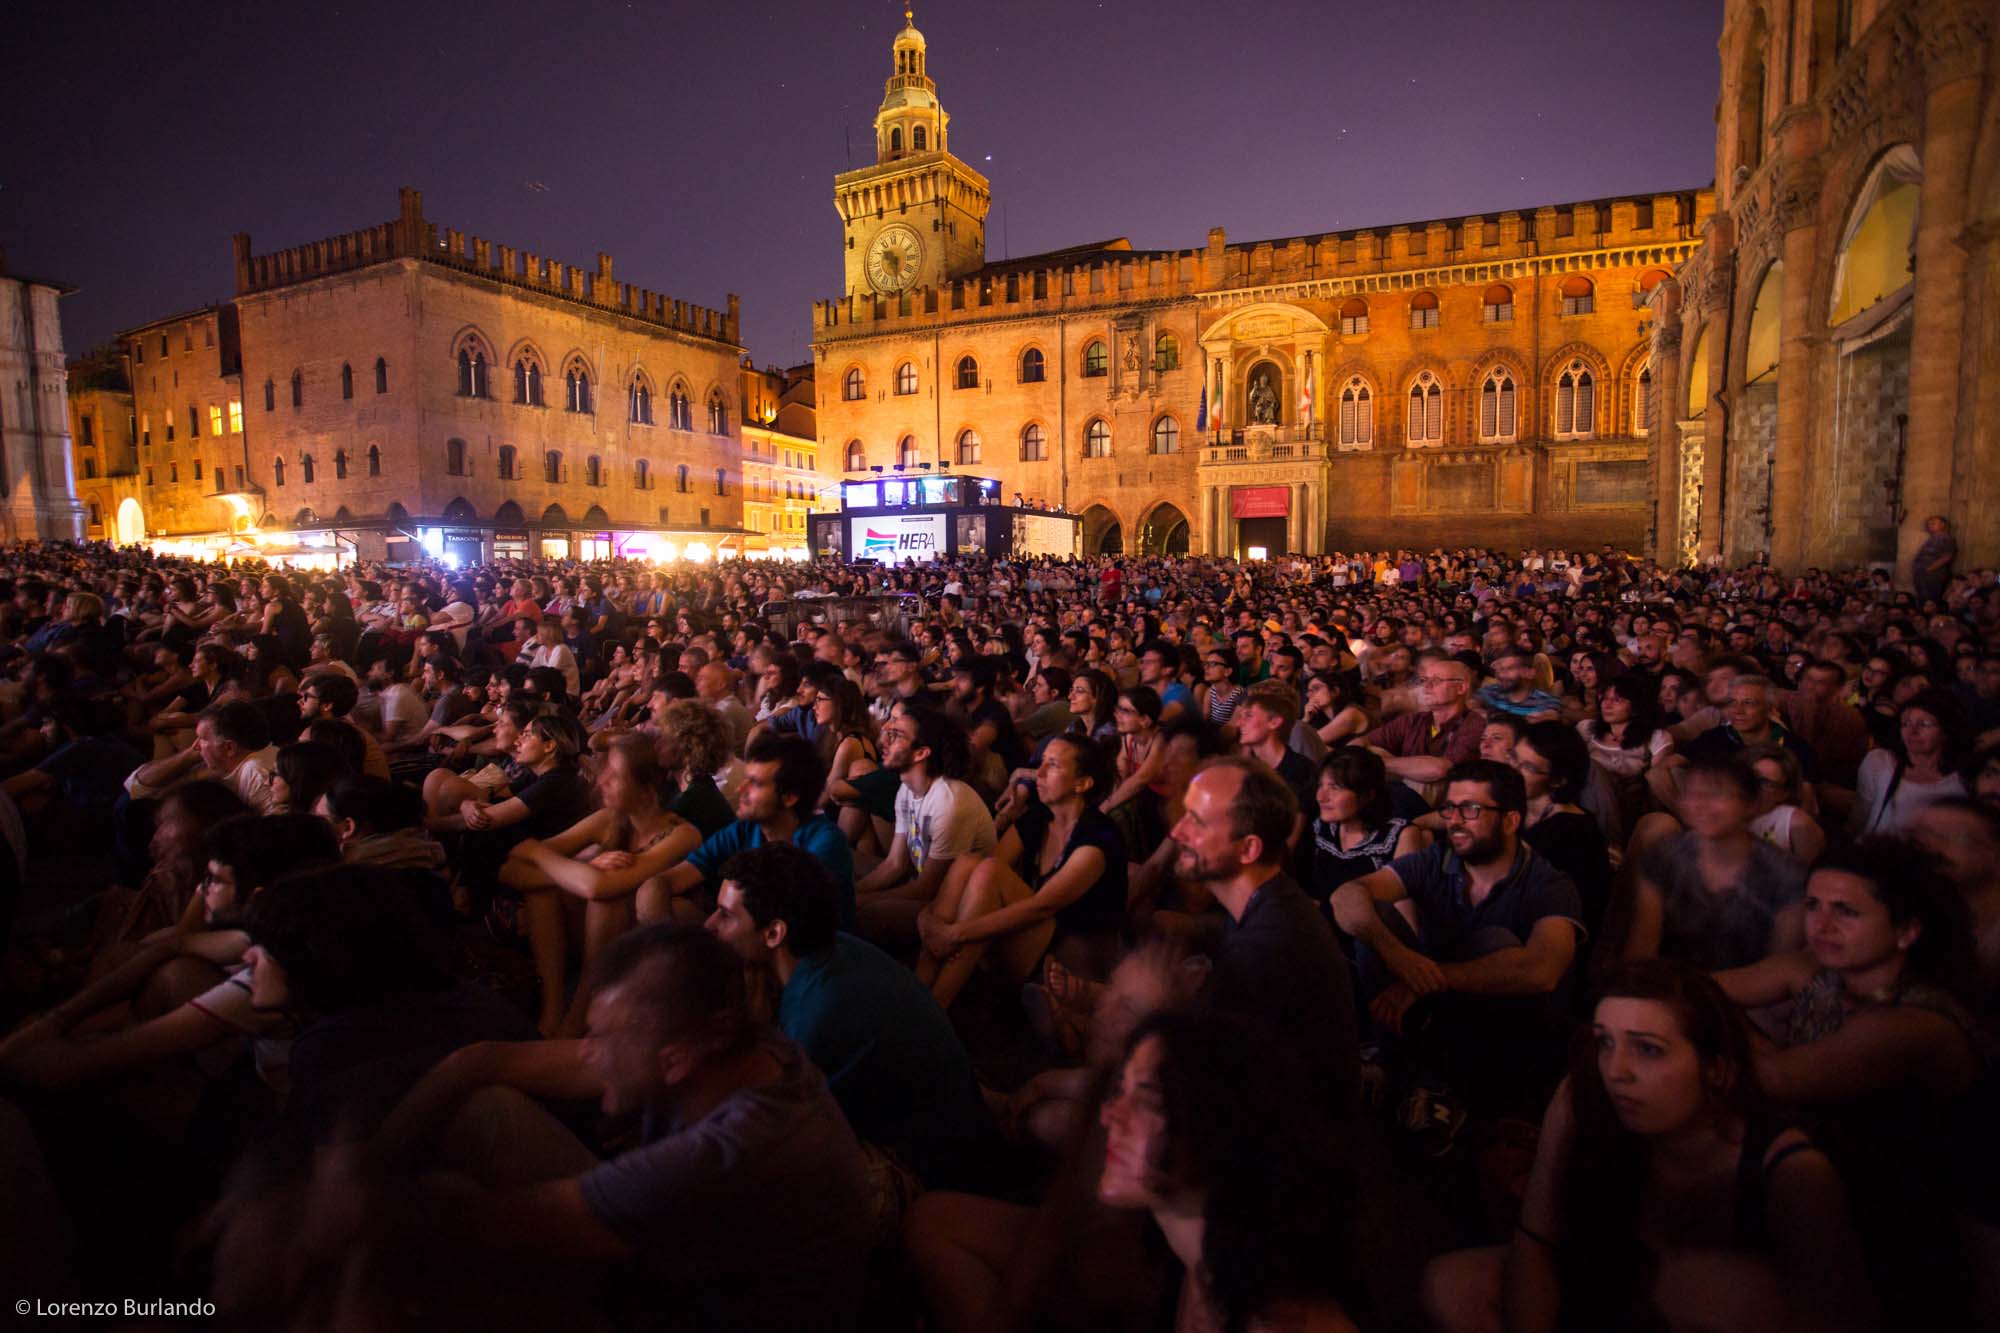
[1482,378]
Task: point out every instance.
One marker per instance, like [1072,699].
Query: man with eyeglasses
[1470,991]
[1422,746]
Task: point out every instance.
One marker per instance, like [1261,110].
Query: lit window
[1166,352]
[215,419]
[1426,415]
[1496,406]
[236,416]
[1642,402]
[968,451]
[1357,414]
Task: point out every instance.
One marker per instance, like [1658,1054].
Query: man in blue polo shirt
[782,778]
[1471,990]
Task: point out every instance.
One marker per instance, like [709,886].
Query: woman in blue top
[1055,882]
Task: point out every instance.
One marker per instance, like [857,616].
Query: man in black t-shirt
[989,727]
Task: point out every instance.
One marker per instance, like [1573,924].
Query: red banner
[1260,501]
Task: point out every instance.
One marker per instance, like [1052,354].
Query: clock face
[893,259]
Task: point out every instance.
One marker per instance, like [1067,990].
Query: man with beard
[1470,991]
[1277,962]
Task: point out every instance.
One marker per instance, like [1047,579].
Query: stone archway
[1103,534]
[131,523]
[1165,531]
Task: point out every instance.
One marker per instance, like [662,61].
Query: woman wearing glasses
[1216,697]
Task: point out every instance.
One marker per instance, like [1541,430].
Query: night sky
[697,144]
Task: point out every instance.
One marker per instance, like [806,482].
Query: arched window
[906,452]
[1097,439]
[472,362]
[722,481]
[277,471]
[1579,297]
[454,458]
[896,139]
[1166,436]
[1357,414]
[1034,444]
[339,465]
[917,139]
[381,375]
[1496,406]
[593,471]
[1166,352]
[374,460]
[680,411]
[642,475]
[298,389]
[681,478]
[576,389]
[968,372]
[1425,423]
[852,385]
[1576,402]
[1642,402]
[1034,368]
[96,515]
[1424,310]
[1354,316]
[346,380]
[270,396]
[552,467]
[528,380]
[1497,305]
[968,447]
[640,409]
[718,414]
[508,471]
[906,379]
[856,459]
[1096,361]
[306,468]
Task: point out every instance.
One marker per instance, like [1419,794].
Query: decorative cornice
[1665,253]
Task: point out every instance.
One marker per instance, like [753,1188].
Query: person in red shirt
[1423,745]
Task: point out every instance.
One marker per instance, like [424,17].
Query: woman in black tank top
[1664,1193]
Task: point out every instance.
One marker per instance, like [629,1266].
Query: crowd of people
[1465,941]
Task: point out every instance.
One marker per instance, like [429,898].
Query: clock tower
[917,217]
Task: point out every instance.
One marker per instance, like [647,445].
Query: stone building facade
[1833,349]
[408,382]
[37,490]
[104,443]
[186,373]
[1481,378]
[782,483]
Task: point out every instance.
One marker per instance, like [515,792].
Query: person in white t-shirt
[549,650]
[939,818]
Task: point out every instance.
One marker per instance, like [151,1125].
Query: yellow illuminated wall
[1876,262]
[1697,394]
[1762,357]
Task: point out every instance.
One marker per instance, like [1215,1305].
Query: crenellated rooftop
[411,236]
[1638,230]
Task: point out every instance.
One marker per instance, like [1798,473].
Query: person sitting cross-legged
[939,818]
[1469,991]
[1055,882]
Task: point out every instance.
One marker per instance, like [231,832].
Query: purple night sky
[698,144]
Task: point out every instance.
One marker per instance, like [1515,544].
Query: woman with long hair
[1781,820]
[846,735]
[1260,1224]
[1878,1048]
[1093,699]
[1055,883]
[1625,739]
[1920,766]
[304,772]
[1664,1192]
[585,876]
[1332,710]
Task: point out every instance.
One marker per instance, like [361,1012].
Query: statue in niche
[1132,352]
[1263,400]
